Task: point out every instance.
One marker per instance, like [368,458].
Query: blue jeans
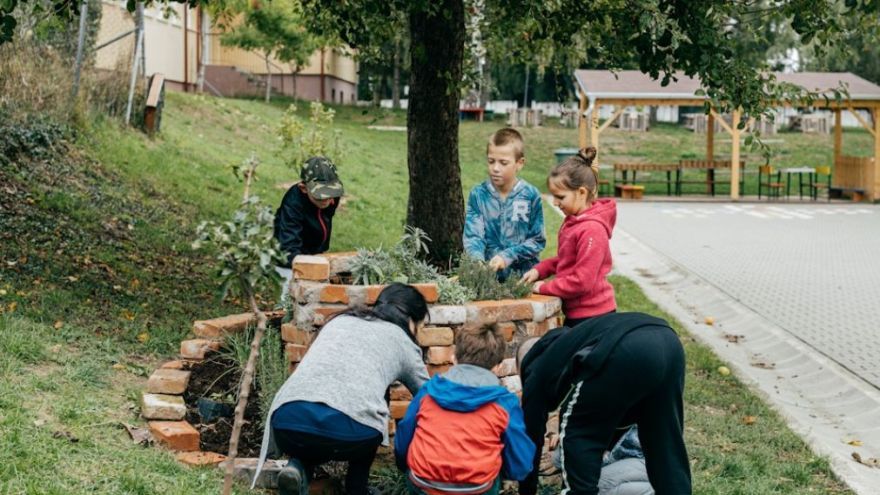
[414,490]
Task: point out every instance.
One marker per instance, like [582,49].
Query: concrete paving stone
[799,282]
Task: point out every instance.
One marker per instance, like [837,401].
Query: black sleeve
[289,228]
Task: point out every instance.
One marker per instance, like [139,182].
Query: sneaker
[292,479]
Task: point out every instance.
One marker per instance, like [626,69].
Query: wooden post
[582,122]
[710,137]
[838,136]
[734,156]
[874,185]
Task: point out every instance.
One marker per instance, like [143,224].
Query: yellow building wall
[165,47]
[336,62]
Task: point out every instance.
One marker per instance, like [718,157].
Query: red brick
[429,336]
[371,293]
[165,381]
[174,365]
[398,408]
[295,352]
[200,458]
[400,392]
[332,293]
[176,435]
[428,291]
[323,313]
[482,313]
[433,369]
[306,267]
[507,329]
[218,327]
[291,367]
[392,428]
[197,348]
[441,354]
[293,335]
[339,262]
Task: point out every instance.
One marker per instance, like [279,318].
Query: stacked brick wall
[316,297]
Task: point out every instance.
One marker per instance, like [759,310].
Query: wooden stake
[710,137]
[582,122]
[243,394]
[734,156]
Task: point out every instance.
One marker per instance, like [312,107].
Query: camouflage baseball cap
[319,176]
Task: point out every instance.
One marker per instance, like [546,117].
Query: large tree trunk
[395,87]
[436,203]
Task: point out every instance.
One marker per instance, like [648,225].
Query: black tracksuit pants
[642,382]
[313,450]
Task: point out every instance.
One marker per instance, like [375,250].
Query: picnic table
[710,166]
[810,172]
[635,168]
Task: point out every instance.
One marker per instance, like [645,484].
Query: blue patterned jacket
[513,228]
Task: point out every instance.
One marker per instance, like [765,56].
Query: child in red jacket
[583,257]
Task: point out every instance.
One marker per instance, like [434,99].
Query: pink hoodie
[582,262]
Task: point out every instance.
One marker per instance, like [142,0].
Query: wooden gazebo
[633,88]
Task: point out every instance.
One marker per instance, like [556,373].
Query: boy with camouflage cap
[304,221]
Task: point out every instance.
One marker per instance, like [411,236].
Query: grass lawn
[98,285]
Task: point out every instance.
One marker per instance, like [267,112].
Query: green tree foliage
[699,38]
[302,140]
[275,28]
[247,252]
[858,51]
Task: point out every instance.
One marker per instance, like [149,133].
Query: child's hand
[537,287]
[497,263]
[530,276]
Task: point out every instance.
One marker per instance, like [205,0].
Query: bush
[472,280]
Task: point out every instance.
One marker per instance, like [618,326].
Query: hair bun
[588,154]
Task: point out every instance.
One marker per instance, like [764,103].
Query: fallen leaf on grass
[118,366]
[749,420]
[143,337]
[58,324]
[65,435]
[140,436]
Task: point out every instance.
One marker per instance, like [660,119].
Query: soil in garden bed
[217,377]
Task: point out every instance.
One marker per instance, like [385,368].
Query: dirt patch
[217,378]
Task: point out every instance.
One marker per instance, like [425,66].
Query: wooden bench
[710,166]
[635,168]
[837,192]
[629,191]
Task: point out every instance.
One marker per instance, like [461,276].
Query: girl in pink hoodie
[583,257]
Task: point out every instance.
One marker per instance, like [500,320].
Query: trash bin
[563,153]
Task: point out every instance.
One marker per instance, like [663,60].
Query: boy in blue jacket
[463,431]
[504,223]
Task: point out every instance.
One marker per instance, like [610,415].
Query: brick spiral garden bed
[318,291]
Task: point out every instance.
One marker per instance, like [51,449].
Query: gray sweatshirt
[348,367]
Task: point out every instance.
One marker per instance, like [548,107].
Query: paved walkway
[801,285]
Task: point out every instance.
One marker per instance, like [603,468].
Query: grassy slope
[83,378]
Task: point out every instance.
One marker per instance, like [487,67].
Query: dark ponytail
[398,304]
[578,171]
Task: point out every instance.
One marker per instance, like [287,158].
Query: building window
[341,97]
[333,95]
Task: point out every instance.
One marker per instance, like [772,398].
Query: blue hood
[455,396]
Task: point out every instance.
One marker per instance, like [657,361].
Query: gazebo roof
[635,85]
